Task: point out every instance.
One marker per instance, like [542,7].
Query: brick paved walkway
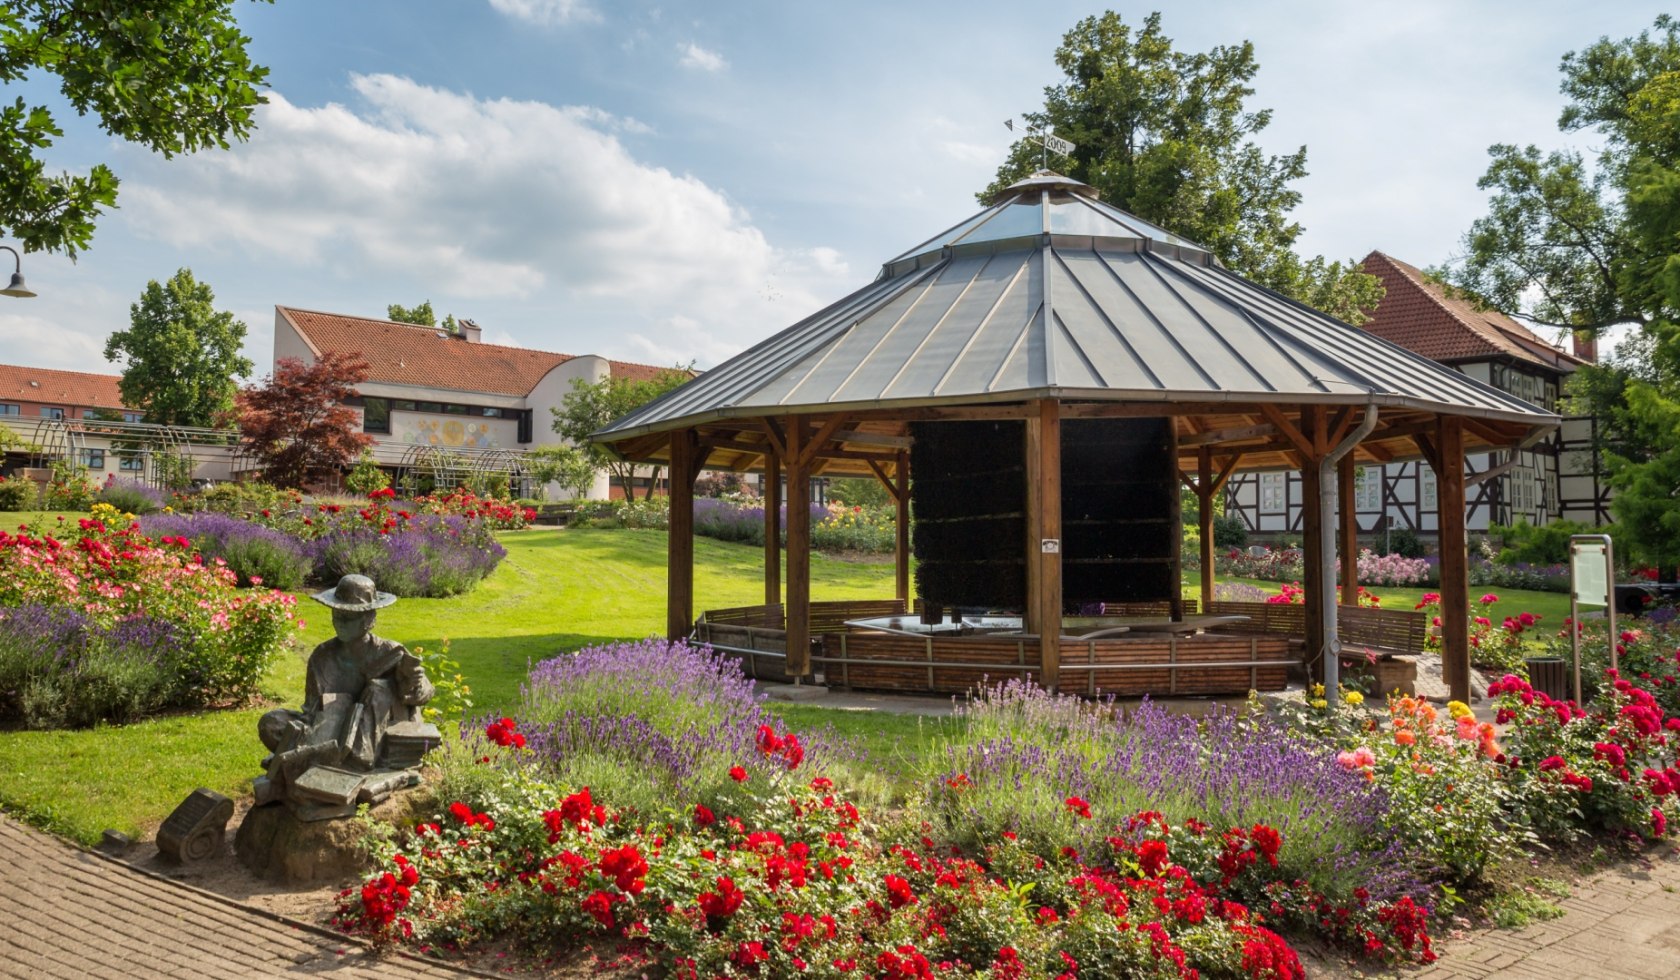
[69,913]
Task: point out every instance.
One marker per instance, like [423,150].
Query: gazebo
[1044,314]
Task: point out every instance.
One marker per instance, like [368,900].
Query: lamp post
[16,288]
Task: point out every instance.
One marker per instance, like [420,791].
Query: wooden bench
[1158,608]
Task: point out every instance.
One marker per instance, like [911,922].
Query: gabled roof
[407,354]
[1110,311]
[1423,317]
[77,389]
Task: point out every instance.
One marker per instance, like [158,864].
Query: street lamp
[17,288]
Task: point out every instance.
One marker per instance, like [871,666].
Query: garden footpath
[73,913]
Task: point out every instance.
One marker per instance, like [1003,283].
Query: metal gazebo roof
[1050,293]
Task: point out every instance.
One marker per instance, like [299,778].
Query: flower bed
[407,551]
[834,527]
[1285,565]
[103,622]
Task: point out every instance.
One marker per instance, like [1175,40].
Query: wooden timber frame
[1214,440]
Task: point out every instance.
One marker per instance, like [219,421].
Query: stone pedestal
[276,844]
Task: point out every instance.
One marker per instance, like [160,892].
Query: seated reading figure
[358,687]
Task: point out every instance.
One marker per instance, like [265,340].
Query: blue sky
[665,182]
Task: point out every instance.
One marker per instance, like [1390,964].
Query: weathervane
[1049,141]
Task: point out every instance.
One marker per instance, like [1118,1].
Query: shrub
[1546,544]
[131,496]
[70,488]
[869,530]
[1229,531]
[1404,541]
[367,477]
[256,554]
[154,626]
[16,493]
[1024,750]
[427,555]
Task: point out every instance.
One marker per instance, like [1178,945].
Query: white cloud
[696,57]
[547,12]
[492,199]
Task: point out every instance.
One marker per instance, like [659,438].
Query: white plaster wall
[548,395]
[288,342]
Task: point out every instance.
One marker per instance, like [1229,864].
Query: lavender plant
[1025,752]
[254,552]
[432,555]
[59,668]
[132,496]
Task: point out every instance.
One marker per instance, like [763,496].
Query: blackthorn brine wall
[1120,521]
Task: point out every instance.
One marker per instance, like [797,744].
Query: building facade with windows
[53,415]
[441,405]
[1558,477]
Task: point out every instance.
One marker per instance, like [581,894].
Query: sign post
[1592,581]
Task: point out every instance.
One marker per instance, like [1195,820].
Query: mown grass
[558,590]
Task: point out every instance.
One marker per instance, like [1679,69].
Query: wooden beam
[1455,580]
[679,551]
[798,552]
[1288,429]
[1318,590]
[880,439]
[889,480]
[778,442]
[1229,435]
[772,530]
[1044,538]
[901,528]
[1204,518]
[1348,524]
[1188,481]
[1226,471]
[828,428]
[1431,452]
[1340,423]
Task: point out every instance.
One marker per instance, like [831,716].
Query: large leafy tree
[181,355]
[590,406]
[1168,136]
[170,75]
[295,423]
[421,315]
[1583,243]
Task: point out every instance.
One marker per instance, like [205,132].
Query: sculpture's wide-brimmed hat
[355,593]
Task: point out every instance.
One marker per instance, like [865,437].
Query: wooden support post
[1455,581]
[679,553]
[798,550]
[772,528]
[1318,591]
[1347,516]
[901,536]
[1044,537]
[1204,519]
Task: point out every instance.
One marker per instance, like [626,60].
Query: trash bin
[1549,675]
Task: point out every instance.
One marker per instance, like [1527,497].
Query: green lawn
[558,590]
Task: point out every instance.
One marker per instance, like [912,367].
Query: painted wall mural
[452,433]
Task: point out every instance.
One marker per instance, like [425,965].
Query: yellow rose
[1318,690]
[1458,709]
[1320,703]
[1354,698]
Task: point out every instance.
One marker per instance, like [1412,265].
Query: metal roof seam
[1160,326]
[1078,351]
[1015,348]
[1149,262]
[1047,337]
[980,327]
[921,344]
[1108,321]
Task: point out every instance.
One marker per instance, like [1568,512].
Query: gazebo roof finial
[1048,180]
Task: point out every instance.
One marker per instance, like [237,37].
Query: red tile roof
[402,353]
[68,389]
[1420,316]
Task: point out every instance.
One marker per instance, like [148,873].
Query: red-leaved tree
[296,424]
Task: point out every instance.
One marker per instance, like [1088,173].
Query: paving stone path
[65,912]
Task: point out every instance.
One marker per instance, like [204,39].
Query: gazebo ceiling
[1051,294]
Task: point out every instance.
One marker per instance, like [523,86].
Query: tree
[421,315]
[296,424]
[568,466]
[170,75]
[590,407]
[1584,246]
[1165,135]
[181,354]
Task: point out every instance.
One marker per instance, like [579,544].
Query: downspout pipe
[1330,656]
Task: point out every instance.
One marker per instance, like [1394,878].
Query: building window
[52,413]
[1274,493]
[93,459]
[402,406]
[1428,496]
[132,464]
[134,416]
[524,427]
[376,415]
[454,409]
[1367,488]
[492,413]
[427,407]
[8,410]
